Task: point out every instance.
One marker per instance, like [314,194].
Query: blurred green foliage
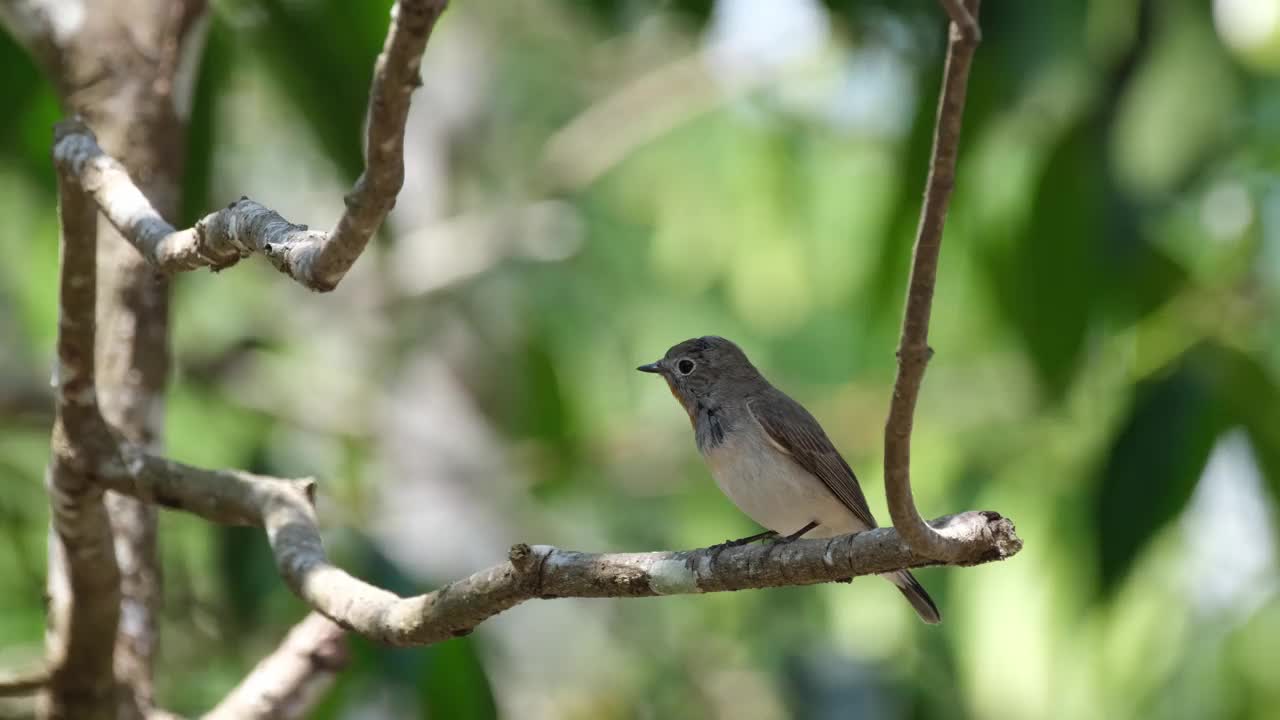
[591,182]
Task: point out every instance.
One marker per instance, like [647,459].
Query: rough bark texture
[121,82]
[913,349]
[316,259]
[115,65]
[283,508]
[84,593]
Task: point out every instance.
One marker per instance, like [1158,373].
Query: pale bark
[288,682]
[129,108]
[283,508]
[314,258]
[84,592]
[123,85]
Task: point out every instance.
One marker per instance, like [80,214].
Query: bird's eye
[685,366]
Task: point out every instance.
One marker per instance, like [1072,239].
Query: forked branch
[84,603]
[314,258]
[283,508]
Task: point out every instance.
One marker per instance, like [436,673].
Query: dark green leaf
[248,573]
[1155,461]
[1047,280]
[216,71]
[1252,397]
[454,683]
[321,54]
[25,136]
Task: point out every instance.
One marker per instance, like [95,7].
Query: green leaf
[1252,397]
[26,131]
[533,405]
[212,87]
[1155,461]
[248,573]
[447,679]
[321,54]
[887,286]
[990,91]
[454,683]
[1046,282]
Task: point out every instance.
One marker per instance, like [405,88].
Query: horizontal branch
[284,509]
[23,683]
[316,259]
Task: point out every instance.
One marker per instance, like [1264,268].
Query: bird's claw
[743,541]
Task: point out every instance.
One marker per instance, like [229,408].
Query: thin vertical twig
[913,348]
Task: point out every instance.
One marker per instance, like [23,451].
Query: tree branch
[395,76]
[316,259]
[913,349]
[125,83]
[23,683]
[84,603]
[284,509]
[287,683]
[963,19]
[134,347]
[88,457]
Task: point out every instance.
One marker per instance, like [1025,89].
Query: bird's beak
[652,367]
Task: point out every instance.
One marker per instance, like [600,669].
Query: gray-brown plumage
[767,453]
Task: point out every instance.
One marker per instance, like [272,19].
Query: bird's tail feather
[916,595]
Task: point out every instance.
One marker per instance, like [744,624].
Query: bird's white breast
[772,489]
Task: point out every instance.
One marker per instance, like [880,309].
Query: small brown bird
[768,454]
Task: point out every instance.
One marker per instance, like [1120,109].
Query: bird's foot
[795,535]
[766,535]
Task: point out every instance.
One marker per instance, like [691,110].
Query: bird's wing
[795,432]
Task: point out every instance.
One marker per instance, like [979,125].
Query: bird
[768,454]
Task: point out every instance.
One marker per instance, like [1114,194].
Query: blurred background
[590,182]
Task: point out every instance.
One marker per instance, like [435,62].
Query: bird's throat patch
[688,407]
